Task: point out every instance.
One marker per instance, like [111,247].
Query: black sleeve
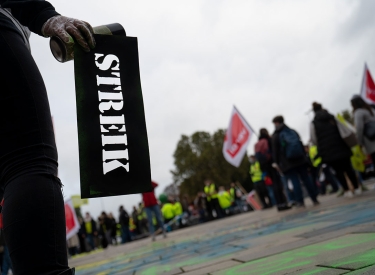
[275,148]
[31,13]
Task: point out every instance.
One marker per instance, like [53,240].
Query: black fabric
[342,167]
[34,219]
[331,146]
[279,154]
[30,13]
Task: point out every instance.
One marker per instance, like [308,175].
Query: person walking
[332,148]
[28,154]
[152,207]
[263,153]
[364,122]
[290,158]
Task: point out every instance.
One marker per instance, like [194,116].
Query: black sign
[113,148]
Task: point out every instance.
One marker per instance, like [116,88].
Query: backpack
[291,144]
[262,151]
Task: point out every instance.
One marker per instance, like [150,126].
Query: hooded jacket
[279,156]
[30,13]
[331,146]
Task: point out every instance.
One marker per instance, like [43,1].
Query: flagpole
[234,106]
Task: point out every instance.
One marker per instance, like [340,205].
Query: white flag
[368,87]
[237,138]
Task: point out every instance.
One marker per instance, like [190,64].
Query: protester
[259,185]
[103,232]
[236,197]
[152,208]
[200,205]
[28,151]
[135,219]
[332,148]
[364,122]
[124,221]
[289,157]
[142,219]
[211,193]
[113,229]
[168,209]
[73,244]
[263,153]
[90,230]
[322,169]
[225,200]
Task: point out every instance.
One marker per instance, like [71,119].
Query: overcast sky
[199,58]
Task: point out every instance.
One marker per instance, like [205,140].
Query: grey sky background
[199,58]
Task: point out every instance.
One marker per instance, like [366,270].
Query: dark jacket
[331,146]
[279,155]
[30,13]
[124,218]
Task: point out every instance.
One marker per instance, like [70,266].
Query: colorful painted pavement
[337,237]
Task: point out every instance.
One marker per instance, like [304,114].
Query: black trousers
[342,167]
[33,212]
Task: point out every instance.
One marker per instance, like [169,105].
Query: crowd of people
[283,172]
[335,156]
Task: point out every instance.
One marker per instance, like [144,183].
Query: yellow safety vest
[313,152]
[225,200]
[168,211]
[213,191]
[132,226]
[177,207]
[255,172]
[207,191]
[88,227]
[232,193]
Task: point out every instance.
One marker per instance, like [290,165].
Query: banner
[78,202]
[368,87]
[113,147]
[71,221]
[236,139]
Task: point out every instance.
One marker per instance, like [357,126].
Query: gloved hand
[68,28]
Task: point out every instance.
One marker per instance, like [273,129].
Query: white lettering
[112,165]
[122,139]
[107,62]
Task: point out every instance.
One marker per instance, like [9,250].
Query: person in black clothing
[28,155]
[266,166]
[289,157]
[124,223]
[332,148]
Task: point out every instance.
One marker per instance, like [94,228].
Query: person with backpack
[364,122]
[290,158]
[332,148]
[263,154]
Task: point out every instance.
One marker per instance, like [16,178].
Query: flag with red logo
[368,87]
[237,138]
[72,224]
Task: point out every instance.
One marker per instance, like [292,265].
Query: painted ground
[337,237]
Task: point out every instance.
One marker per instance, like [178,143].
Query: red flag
[237,138]
[368,87]
[72,224]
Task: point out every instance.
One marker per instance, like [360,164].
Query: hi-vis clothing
[177,207]
[225,200]
[313,152]
[207,192]
[132,226]
[168,211]
[210,191]
[232,193]
[255,172]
